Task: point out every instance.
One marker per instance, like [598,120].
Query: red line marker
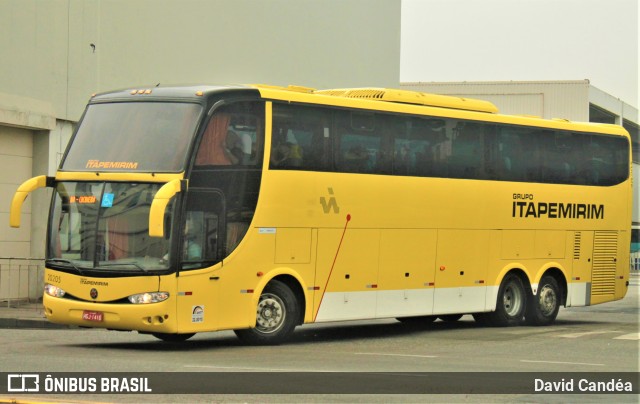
[332,266]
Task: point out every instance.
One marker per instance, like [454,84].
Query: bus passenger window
[286,151]
[466,158]
[232,137]
[358,147]
[237,148]
[214,148]
[202,235]
[300,138]
[193,237]
[356,159]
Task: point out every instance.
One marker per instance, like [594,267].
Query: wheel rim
[271,313]
[547,300]
[512,300]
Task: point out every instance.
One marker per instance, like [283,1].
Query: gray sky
[502,40]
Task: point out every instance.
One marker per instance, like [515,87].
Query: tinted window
[133,136]
[301,138]
[233,136]
[354,141]
[359,143]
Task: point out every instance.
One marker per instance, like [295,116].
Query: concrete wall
[56,53]
[63,51]
[15,162]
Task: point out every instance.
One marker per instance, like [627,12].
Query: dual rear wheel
[516,305]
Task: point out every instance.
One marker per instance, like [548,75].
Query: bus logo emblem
[331,205]
[93,293]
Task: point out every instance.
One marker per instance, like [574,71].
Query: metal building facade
[58,53]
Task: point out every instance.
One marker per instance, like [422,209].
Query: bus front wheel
[276,316]
[544,305]
[511,304]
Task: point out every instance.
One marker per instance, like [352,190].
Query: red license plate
[92,315]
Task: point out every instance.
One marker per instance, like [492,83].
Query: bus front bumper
[153,317]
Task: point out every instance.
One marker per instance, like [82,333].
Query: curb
[8,323]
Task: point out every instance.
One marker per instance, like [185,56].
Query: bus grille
[577,238]
[605,248]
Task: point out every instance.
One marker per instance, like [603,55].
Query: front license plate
[92,315]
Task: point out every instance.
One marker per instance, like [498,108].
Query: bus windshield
[105,226]
[133,136]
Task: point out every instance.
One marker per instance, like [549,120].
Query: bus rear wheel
[276,316]
[511,304]
[543,306]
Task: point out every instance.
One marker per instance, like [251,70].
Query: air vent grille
[412,97]
[605,247]
[577,240]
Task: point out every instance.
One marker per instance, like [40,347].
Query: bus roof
[182,93]
[398,96]
[485,110]
[344,97]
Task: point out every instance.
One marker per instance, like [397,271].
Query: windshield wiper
[116,264]
[65,261]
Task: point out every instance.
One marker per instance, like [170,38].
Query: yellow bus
[260,208]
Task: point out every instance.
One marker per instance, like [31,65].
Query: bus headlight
[149,297]
[53,290]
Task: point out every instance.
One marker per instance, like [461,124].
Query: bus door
[201,248]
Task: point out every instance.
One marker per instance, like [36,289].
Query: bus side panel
[350,272]
[407,277]
[461,270]
[295,250]
[623,268]
[197,301]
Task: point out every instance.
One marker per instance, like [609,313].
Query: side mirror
[159,205]
[21,194]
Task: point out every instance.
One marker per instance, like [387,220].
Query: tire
[277,315]
[450,318]
[511,304]
[542,308]
[481,318]
[173,337]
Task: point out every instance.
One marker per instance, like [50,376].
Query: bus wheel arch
[511,301]
[279,310]
[551,293]
[294,284]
